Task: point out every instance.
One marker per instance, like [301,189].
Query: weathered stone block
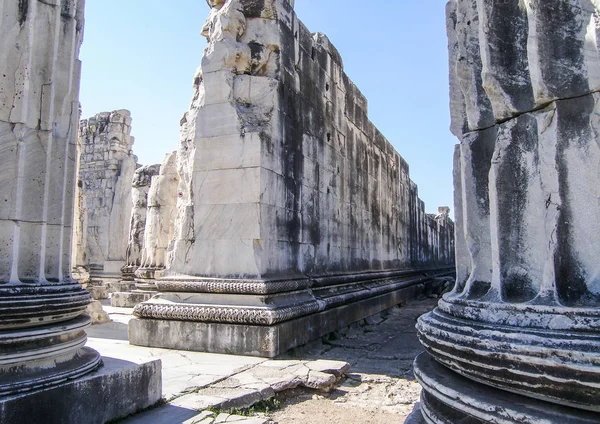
[259,340]
[283,177]
[523,317]
[116,390]
[129,299]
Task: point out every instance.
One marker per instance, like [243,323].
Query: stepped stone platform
[275,322]
[117,389]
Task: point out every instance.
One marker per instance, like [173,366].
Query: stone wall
[525,78]
[103,212]
[279,143]
[288,195]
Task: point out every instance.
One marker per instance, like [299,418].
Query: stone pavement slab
[380,352]
[196,381]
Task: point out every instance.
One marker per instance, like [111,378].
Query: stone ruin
[103,200]
[295,216]
[46,373]
[518,340]
[152,227]
[140,187]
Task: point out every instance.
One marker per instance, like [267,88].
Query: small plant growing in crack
[263,407]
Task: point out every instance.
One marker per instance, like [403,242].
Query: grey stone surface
[160,223]
[524,315]
[96,313]
[283,148]
[287,195]
[130,299]
[261,340]
[116,390]
[142,180]
[106,166]
[194,381]
[378,384]
[448,398]
[46,373]
[42,321]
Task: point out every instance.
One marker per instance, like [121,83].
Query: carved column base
[143,288]
[550,353]
[147,276]
[42,336]
[266,317]
[449,398]
[128,273]
[45,356]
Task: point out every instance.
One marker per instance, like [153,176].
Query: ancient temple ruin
[154,195]
[140,186]
[103,200]
[295,215]
[518,340]
[46,373]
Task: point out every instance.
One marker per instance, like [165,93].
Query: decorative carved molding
[227,314]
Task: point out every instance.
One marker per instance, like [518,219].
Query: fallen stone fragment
[98,315]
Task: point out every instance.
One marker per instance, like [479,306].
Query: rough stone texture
[278,141]
[254,337]
[96,313]
[115,391]
[130,299]
[41,323]
[160,224]
[285,186]
[142,180]
[524,316]
[46,373]
[152,227]
[103,206]
[208,417]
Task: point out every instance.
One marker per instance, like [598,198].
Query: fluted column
[160,225]
[41,323]
[525,314]
[142,180]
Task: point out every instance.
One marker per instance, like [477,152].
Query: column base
[39,357]
[260,340]
[549,353]
[449,398]
[115,391]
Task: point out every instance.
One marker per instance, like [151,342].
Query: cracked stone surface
[208,417]
[379,387]
[193,381]
[362,374]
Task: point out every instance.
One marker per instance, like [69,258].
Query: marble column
[42,324]
[142,180]
[160,224]
[518,340]
[137,283]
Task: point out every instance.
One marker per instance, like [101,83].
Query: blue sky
[141,55]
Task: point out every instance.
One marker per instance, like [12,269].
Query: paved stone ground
[380,385]
[362,374]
